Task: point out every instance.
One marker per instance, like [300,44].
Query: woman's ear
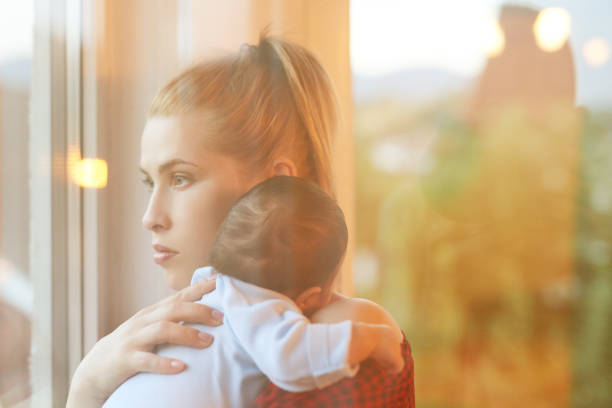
[284,167]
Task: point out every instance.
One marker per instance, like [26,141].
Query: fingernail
[205,337]
[217,315]
[176,364]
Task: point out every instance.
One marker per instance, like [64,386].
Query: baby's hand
[377,341]
[388,350]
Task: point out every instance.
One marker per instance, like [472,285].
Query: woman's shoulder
[355,309]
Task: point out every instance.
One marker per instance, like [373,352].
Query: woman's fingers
[173,333]
[127,350]
[197,290]
[181,307]
[142,361]
[188,312]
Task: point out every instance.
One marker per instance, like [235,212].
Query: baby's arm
[293,353]
[374,329]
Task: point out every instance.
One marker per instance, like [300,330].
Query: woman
[213,132]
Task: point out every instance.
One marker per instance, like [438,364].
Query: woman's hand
[129,348]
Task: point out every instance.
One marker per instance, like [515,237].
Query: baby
[275,259]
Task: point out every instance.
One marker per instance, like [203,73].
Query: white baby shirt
[264,334]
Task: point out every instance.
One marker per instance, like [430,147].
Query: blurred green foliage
[494,257]
[592,357]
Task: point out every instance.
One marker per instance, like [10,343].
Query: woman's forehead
[171,138]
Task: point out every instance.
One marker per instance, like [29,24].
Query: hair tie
[269,57]
[247,48]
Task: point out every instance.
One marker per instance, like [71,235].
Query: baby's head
[287,235]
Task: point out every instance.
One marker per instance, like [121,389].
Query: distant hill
[414,85]
[594,86]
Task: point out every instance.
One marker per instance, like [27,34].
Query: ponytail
[268,100]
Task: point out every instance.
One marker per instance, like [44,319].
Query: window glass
[483,138]
[15,286]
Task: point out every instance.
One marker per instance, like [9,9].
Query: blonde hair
[271,99]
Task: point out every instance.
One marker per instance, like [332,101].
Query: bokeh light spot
[90,173]
[495,40]
[596,51]
[552,28]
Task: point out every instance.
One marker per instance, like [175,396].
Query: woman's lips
[162,254]
[161,257]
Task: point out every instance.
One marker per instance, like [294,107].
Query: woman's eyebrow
[164,166]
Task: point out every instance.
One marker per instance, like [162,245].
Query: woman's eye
[180,180]
[148,183]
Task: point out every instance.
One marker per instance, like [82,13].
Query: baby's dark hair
[285,234]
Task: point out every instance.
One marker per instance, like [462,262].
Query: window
[483,134]
[40,249]
[16,293]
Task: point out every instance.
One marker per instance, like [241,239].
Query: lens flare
[552,28]
[495,40]
[596,51]
[90,173]
[86,173]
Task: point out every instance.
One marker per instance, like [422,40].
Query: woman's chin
[176,280]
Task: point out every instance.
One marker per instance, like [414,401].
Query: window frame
[56,219]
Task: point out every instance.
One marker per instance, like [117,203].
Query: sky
[393,35]
[389,35]
[16,28]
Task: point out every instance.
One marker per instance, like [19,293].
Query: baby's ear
[284,167]
[310,299]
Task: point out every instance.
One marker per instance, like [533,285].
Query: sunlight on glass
[365,270]
[393,157]
[86,173]
[6,270]
[552,28]
[16,19]
[90,173]
[554,179]
[495,40]
[15,289]
[596,51]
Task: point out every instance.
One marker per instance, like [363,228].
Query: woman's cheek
[207,213]
[225,198]
[205,207]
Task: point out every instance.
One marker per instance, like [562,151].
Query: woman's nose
[156,217]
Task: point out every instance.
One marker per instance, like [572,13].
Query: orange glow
[596,51]
[86,173]
[552,28]
[89,173]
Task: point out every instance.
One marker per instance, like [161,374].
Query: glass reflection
[15,288]
[490,242]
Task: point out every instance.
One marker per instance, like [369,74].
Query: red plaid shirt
[371,387]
